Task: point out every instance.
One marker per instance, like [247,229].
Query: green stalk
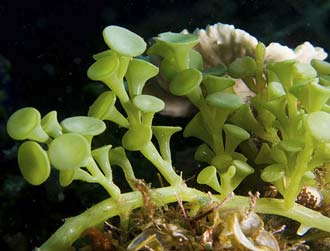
[292,105]
[117,156]
[93,168]
[98,177]
[164,167]
[210,114]
[117,86]
[132,112]
[293,189]
[181,59]
[71,230]
[196,97]
[147,118]
[249,81]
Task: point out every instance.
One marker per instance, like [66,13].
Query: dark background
[46,48]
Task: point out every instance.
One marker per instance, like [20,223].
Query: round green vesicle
[148,103]
[178,38]
[273,173]
[69,151]
[222,162]
[242,168]
[303,72]
[167,69]
[242,67]
[104,108]
[275,90]
[136,138]
[291,145]
[33,163]
[216,84]
[123,41]
[176,47]
[103,54]
[224,100]
[25,124]
[204,154]
[103,67]
[172,45]
[185,82]
[218,70]
[312,95]
[236,131]
[195,60]
[83,125]
[102,105]
[318,124]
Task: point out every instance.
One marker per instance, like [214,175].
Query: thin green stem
[134,114]
[117,86]
[164,167]
[293,189]
[181,59]
[196,97]
[249,81]
[210,114]
[118,157]
[93,168]
[292,105]
[147,118]
[98,177]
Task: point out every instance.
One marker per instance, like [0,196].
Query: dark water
[46,47]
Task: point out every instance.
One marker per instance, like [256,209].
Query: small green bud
[50,124]
[204,154]
[209,176]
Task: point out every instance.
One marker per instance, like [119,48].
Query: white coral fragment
[276,52]
[306,52]
[223,43]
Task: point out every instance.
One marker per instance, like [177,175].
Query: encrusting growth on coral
[261,114]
